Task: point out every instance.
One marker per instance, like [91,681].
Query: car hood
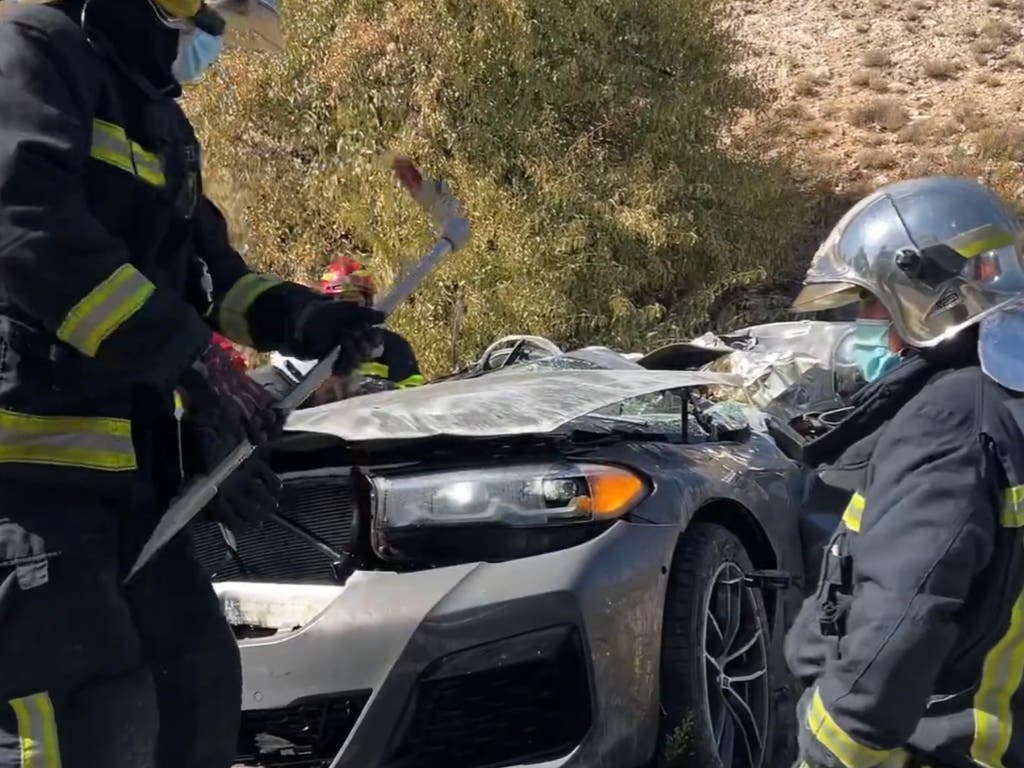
[512,403]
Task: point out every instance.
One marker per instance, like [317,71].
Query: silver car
[573,561]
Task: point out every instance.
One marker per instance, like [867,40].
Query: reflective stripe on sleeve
[111,145]
[379,370]
[412,381]
[849,752]
[75,441]
[853,513]
[104,309]
[37,731]
[234,308]
[1012,513]
[148,166]
[1000,678]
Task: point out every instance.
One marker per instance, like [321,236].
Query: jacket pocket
[835,588]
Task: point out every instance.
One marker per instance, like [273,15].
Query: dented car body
[479,572]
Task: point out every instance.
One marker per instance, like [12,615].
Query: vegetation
[585,136]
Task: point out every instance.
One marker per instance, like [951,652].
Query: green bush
[585,136]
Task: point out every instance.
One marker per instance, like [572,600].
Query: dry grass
[876,159]
[1000,31]
[970,115]
[876,58]
[916,132]
[809,83]
[983,45]
[557,140]
[1003,143]
[940,69]
[866,78]
[883,112]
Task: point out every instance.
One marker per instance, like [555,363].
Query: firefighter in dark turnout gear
[114,272]
[912,646]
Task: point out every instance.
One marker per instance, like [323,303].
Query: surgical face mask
[871,349]
[197,50]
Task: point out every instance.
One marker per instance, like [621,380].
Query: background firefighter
[392,363]
[911,646]
[114,271]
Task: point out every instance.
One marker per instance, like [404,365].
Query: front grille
[322,501]
[304,735]
[518,701]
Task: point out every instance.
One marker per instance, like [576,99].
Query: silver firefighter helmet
[940,253]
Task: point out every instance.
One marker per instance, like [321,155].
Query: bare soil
[869,91]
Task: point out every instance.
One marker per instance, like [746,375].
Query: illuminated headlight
[527,495]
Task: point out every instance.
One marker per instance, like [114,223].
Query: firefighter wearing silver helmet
[910,647]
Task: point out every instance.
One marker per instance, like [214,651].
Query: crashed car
[583,559]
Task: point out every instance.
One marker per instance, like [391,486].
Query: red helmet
[237,359]
[347,278]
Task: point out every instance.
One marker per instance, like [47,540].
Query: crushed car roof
[509,403]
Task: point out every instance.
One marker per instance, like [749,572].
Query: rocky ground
[868,91]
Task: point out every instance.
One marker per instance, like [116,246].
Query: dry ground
[868,91]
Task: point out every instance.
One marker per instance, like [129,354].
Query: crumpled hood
[497,404]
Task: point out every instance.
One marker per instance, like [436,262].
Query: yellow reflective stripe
[853,513]
[850,753]
[180,9]
[379,370]
[148,166]
[1012,513]
[76,441]
[411,381]
[979,240]
[1000,678]
[233,309]
[104,309]
[110,145]
[37,731]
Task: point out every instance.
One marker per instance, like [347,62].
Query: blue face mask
[197,50]
[871,349]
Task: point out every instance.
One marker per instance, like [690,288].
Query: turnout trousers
[94,674]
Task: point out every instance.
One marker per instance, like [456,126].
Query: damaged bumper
[543,661]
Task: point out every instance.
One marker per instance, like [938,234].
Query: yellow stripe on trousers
[37,731]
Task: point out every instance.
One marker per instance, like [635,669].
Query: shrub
[584,137]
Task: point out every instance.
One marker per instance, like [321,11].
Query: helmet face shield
[1000,346]
[939,253]
[251,24]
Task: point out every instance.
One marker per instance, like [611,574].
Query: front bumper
[397,649]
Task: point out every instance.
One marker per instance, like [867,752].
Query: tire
[698,710]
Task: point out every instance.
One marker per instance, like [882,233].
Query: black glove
[329,323]
[249,496]
[214,388]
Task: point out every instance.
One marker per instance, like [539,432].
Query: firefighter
[115,269]
[392,364]
[911,647]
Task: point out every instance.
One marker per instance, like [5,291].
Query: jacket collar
[853,439]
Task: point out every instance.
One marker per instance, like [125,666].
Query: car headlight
[527,495]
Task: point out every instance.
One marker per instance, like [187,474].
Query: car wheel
[716,695]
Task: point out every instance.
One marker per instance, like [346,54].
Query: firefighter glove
[329,323]
[213,384]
